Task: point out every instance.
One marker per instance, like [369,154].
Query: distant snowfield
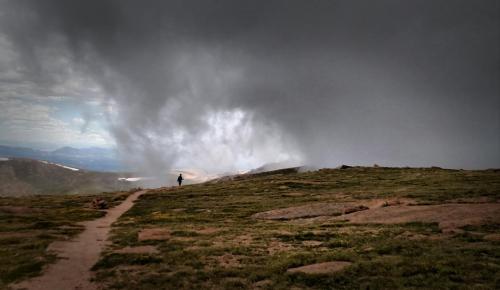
[4,159]
[134,179]
[67,167]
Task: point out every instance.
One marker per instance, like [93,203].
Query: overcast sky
[229,85]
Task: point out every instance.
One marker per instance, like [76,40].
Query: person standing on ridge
[180,179]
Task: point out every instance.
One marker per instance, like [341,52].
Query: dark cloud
[391,82]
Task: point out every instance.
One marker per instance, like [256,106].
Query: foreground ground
[29,225]
[354,228]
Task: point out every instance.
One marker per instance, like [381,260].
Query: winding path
[78,255]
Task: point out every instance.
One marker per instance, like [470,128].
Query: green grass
[247,252]
[243,253]
[29,224]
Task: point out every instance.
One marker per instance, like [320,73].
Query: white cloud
[78,121]
[25,121]
[29,102]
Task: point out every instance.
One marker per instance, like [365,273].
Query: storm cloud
[222,85]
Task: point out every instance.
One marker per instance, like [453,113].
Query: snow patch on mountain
[63,166]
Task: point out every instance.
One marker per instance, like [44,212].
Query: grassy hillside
[254,231]
[207,236]
[20,177]
[29,224]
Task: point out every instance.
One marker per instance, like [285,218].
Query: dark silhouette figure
[180,179]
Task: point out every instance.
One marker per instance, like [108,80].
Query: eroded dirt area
[449,216]
[327,209]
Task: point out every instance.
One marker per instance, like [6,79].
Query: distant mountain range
[93,158]
[20,177]
[67,170]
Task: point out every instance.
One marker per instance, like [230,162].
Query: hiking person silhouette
[180,179]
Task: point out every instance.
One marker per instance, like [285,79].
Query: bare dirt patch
[321,268]
[157,234]
[449,216]
[138,250]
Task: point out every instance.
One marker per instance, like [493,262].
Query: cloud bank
[225,85]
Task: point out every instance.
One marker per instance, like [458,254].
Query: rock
[99,203]
[310,210]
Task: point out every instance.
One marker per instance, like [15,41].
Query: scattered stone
[321,268]
[99,203]
[157,234]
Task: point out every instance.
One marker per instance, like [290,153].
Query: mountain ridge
[92,158]
[21,177]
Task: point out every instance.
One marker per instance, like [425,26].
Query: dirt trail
[79,255]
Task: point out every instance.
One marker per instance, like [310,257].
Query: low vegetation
[204,236]
[29,224]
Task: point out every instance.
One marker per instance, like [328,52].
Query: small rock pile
[99,203]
